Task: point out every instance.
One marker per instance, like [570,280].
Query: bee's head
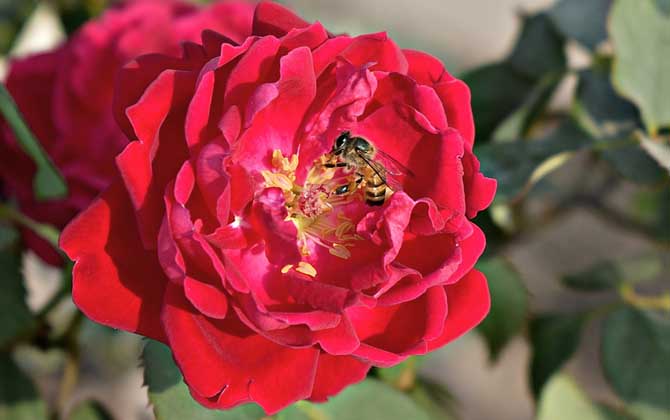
[341,143]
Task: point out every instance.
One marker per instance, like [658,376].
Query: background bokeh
[554,237]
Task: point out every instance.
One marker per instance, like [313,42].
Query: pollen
[277,180]
[313,208]
[306,268]
[303,267]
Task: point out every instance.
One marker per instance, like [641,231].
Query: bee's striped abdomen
[375,191]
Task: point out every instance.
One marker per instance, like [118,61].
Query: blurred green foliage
[615,132]
[13,15]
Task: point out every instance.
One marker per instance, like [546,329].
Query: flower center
[315,207]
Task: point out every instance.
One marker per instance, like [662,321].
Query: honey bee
[374,170]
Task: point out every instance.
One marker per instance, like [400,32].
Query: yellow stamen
[340,251]
[312,208]
[277,180]
[306,268]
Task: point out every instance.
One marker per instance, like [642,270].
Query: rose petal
[277,111]
[115,281]
[469,302]
[149,164]
[274,19]
[479,189]
[335,373]
[224,363]
[391,333]
[268,218]
[379,50]
[209,300]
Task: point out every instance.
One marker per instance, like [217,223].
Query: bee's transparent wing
[393,167]
[388,169]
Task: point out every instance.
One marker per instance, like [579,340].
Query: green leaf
[584,21]
[370,399]
[18,398]
[606,275]
[15,316]
[520,164]
[46,232]
[497,91]
[526,78]
[663,6]
[540,48]
[434,399]
[596,96]
[610,413]
[554,339]
[401,376]
[300,411]
[8,236]
[613,120]
[170,396]
[518,123]
[509,304]
[563,399]
[635,351]
[658,149]
[48,182]
[663,216]
[640,32]
[647,412]
[633,163]
[90,410]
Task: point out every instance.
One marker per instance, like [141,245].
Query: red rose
[229,237]
[66,97]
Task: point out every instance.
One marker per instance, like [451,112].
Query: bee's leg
[350,187]
[335,165]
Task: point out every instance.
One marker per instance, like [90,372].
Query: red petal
[255,67]
[274,19]
[391,333]
[379,50]
[115,281]
[325,54]
[225,364]
[268,217]
[454,93]
[310,37]
[208,299]
[132,81]
[204,112]
[148,165]
[424,68]
[479,189]
[335,373]
[471,248]
[455,96]
[276,112]
[434,159]
[213,181]
[469,302]
[233,19]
